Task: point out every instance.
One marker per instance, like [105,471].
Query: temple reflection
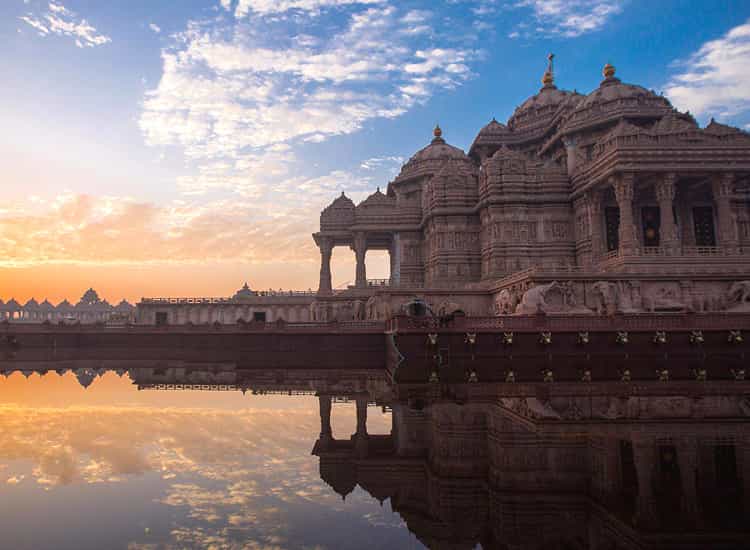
[653,465]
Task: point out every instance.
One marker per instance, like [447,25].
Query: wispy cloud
[154,27]
[265,7]
[61,21]
[224,91]
[566,18]
[715,79]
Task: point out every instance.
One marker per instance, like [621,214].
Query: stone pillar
[644,455]
[723,190]
[623,187]
[395,260]
[324,403]
[596,223]
[687,460]
[360,250]
[326,249]
[571,148]
[665,192]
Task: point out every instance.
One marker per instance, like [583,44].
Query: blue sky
[184,134]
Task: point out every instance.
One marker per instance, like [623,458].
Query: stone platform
[506,349]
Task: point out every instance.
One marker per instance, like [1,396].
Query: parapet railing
[228,300]
[574,323]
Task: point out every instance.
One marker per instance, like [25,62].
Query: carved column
[326,248]
[644,455]
[594,201]
[624,189]
[723,190]
[665,193]
[360,250]
[571,148]
[395,260]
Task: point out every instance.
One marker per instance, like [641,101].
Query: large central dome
[540,108]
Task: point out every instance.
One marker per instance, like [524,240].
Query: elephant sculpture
[739,292]
[607,296]
[533,300]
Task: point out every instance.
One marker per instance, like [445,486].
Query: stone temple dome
[539,108]
[612,88]
[614,99]
[492,135]
[339,213]
[428,160]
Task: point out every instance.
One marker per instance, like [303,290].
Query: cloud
[566,18]
[224,92]
[375,162]
[715,80]
[154,27]
[266,7]
[61,21]
[242,99]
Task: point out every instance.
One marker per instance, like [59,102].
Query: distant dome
[244,293]
[90,297]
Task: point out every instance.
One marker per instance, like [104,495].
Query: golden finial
[548,79]
[437,132]
[608,71]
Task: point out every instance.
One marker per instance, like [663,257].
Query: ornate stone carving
[552,297]
[606,297]
[665,297]
[738,296]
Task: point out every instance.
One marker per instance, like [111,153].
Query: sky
[155,148]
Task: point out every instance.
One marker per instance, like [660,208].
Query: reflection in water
[160,464]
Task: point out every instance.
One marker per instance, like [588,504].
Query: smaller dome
[377,199]
[64,307]
[612,88]
[124,307]
[438,149]
[337,215]
[491,136]
[342,202]
[493,129]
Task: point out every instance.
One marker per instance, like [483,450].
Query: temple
[601,203]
